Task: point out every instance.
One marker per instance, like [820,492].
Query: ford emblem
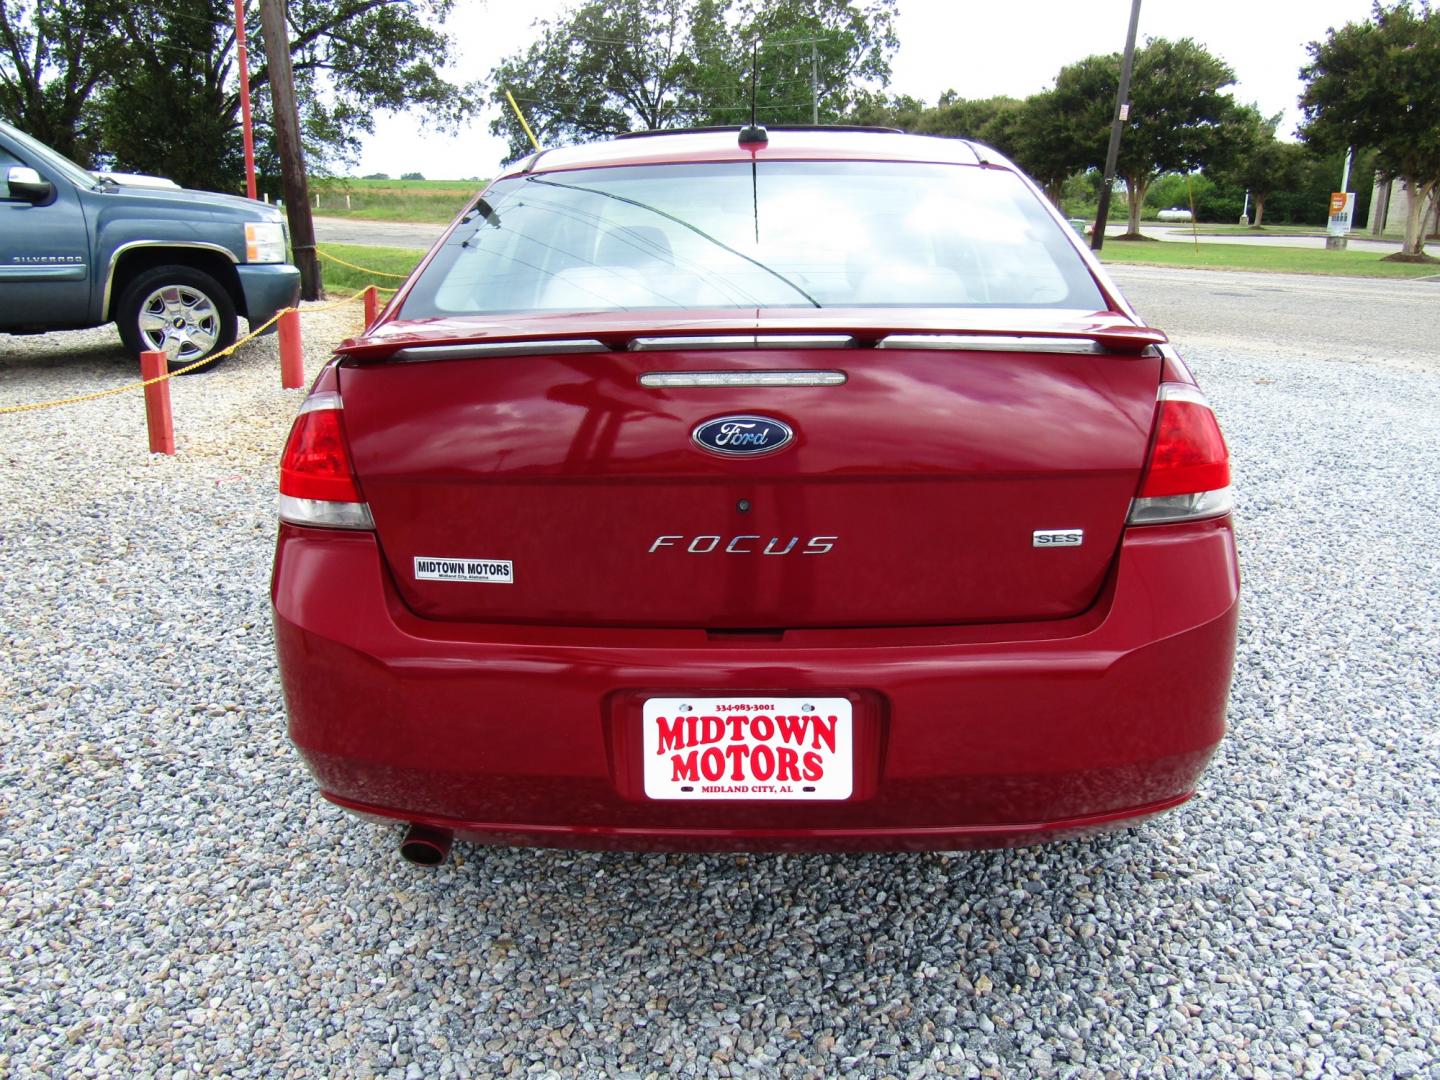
[739,436]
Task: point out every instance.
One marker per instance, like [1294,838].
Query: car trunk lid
[922,472]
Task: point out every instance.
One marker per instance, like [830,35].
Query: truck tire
[177,310]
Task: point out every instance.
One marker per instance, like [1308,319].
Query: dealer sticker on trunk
[753,748]
[488,571]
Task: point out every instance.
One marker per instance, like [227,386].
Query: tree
[1263,164]
[612,66]
[1180,118]
[815,56]
[1052,139]
[54,54]
[1308,201]
[1377,84]
[874,109]
[112,72]
[142,130]
[987,120]
[608,67]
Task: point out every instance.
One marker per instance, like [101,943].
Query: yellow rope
[180,371]
[362,269]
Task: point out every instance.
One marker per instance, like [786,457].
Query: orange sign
[1337,202]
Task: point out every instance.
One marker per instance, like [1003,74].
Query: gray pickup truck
[171,268]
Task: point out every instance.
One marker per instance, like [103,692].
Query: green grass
[344,280]
[1245,230]
[394,200]
[1272,259]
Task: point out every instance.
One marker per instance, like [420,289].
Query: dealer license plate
[786,749]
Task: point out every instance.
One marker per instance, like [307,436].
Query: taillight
[1188,475]
[317,483]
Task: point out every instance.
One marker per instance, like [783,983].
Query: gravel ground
[178,900]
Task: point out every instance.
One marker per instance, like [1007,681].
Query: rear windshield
[774,234]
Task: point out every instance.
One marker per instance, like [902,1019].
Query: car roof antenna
[752,132]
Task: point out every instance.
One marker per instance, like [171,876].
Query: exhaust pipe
[425,845]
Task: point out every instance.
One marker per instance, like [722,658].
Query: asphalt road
[1323,319]
[400,234]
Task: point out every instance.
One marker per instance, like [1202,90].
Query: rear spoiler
[510,341]
[1132,341]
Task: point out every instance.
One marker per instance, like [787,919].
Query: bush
[413,176]
[1309,204]
[1216,203]
[1080,195]
[1172,191]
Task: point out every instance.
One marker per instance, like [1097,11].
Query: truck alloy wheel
[181,312]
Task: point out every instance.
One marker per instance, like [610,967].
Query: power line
[803,81]
[181,50]
[697,107]
[175,13]
[830,36]
[685,106]
[672,97]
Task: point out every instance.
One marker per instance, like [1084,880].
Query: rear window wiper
[683,224]
[488,216]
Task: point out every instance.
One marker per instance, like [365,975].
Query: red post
[372,305]
[158,420]
[292,360]
[246,129]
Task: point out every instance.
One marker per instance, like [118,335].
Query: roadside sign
[1342,207]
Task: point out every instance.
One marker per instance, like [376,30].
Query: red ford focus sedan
[810,489]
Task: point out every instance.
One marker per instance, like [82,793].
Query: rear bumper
[267,287]
[965,736]
[881,838]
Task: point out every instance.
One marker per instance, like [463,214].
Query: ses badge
[485,571]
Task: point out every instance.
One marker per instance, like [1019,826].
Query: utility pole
[287,139]
[247,130]
[814,84]
[1122,113]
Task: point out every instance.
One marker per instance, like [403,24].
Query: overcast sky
[982,49]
